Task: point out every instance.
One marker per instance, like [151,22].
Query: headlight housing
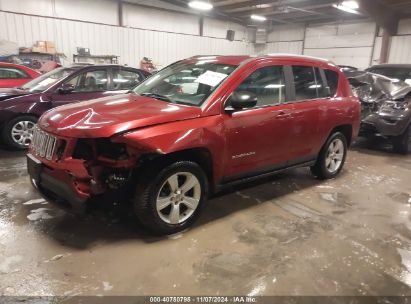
[395,105]
[90,149]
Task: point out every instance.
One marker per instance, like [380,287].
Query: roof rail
[197,56]
[299,56]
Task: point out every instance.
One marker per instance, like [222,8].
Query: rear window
[332,81]
[12,73]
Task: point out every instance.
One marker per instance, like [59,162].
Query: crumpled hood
[10,93]
[375,90]
[107,116]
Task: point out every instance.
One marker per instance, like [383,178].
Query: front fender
[27,104]
[205,132]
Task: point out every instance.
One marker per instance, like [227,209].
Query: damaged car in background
[386,108]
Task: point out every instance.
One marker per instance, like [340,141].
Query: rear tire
[402,143]
[17,133]
[170,199]
[332,156]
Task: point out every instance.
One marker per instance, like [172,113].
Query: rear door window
[304,82]
[321,85]
[332,81]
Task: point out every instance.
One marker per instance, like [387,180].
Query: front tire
[402,143]
[170,199]
[18,132]
[332,157]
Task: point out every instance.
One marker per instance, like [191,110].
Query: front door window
[90,81]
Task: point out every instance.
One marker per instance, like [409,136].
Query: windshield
[403,74]
[45,81]
[185,83]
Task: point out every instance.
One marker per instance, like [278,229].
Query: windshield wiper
[157,96]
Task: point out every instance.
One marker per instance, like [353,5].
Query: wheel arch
[201,156]
[13,115]
[6,127]
[346,130]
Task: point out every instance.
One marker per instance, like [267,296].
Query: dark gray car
[386,108]
[394,71]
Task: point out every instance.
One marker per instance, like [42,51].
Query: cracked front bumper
[58,186]
[386,125]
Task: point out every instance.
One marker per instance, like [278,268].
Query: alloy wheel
[335,155]
[178,198]
[22,132]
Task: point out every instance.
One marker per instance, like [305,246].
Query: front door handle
[283,114]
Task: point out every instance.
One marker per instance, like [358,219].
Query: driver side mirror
[241,100]
[66,88]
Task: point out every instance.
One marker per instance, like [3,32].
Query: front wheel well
[6,130]
[201,156]
[16,115]
[346,130]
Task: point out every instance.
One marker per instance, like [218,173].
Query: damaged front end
[385,102]
[109,164]
[74,171]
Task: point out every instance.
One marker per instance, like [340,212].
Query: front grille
[43,144]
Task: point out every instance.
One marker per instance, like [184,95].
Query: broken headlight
[90,149]
[106,148]
[395,105]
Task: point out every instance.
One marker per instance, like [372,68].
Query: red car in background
[15,75]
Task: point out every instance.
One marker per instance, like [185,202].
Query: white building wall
[287,32]
[100,11]
[283,39]
[345,44]
[159,20]
[128,43]
[172,36]
[168,36]
[400,50]
[218,28]
[404,27]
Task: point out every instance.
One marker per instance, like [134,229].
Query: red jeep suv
[193,128]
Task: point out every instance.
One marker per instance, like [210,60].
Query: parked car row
[21,107]
[192,129]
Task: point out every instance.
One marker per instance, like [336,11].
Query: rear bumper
[56,185]
[375,124]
